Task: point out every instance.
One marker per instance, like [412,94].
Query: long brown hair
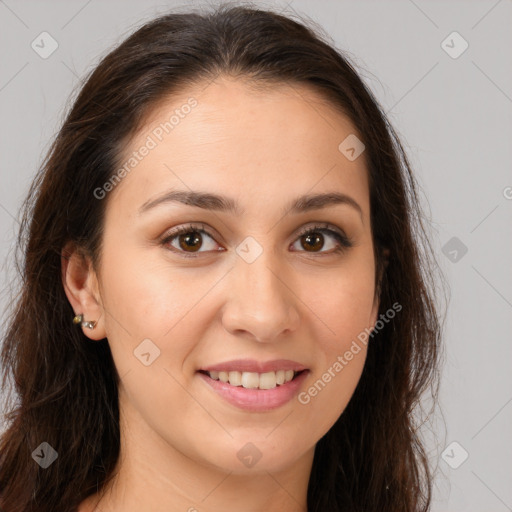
[372,459]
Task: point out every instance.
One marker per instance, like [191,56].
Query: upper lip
[251,365]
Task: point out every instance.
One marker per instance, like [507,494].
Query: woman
[225,304]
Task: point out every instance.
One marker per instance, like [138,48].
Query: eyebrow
[215,202]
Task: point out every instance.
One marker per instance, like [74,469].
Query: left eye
[312,236]
[190,239]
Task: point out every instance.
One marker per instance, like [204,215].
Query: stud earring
[79,319]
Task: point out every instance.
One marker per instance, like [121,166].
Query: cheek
[344,307]
[342,336]
[341,355]
[340,304]
[145,299]
[327,393]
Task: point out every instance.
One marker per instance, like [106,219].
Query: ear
[82,289]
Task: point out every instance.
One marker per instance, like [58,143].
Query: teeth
[235,378]
[249,380]
[252,380]
[269,380]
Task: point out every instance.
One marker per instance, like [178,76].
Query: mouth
[271,387]
[254,380]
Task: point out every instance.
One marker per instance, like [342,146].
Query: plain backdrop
[453,111]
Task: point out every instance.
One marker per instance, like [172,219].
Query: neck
[153,475]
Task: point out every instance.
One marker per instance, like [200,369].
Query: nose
[261,304]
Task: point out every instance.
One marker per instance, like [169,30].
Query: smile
[252,380]
[254,391]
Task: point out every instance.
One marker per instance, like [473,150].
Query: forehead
[270,143]
[262,109]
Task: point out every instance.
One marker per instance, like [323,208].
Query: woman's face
[242,286]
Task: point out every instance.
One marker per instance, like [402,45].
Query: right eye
[187,237]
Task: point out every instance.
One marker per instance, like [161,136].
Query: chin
[254,457]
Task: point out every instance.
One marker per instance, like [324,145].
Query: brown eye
[188,240]
[314,240]
[191,240]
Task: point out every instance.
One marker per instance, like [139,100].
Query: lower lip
[256,400]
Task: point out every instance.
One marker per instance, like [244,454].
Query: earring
[79,319]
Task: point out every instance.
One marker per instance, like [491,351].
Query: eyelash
[343,241]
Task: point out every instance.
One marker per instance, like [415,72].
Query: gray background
[455,118]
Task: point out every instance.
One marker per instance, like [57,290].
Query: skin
[179,438]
